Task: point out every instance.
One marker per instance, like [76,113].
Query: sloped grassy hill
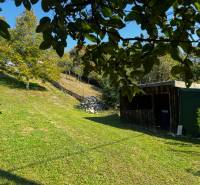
[45,140]
[81,88]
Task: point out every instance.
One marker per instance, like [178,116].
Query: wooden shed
[165,106]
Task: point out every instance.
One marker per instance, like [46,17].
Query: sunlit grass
[45,140]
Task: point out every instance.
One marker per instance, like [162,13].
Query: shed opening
[141,102]
[162,111]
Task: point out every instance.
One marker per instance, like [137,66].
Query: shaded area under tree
[7,175]
[12,82]
[114,120]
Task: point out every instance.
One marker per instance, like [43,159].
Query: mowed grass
[81,88]
[44,139]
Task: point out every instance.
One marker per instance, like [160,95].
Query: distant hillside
[81,88]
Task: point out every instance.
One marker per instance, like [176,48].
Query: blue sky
[10,12]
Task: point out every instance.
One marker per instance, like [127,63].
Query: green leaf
[102,34]
[18,2]
[107,12]
[197,5]
[85,26]
[5,34]
[130,16]
[4,25]
[27,4]
[198,32]
[34,1]
[91,37]
[45,20]
[131,91]
[136,73]
[115,21]
[147,48]
[178,69]
[114,36]
[135,14]
[4,29]
[174,51]
[45,5]
[197,18]
[45,45]
[60,49]
[148,64]
[47,36]
[44,25]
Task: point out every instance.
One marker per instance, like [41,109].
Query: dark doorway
[140,102]
[162,112]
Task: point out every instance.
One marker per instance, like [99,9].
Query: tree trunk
[27,85]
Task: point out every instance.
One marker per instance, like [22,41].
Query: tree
[196,72]
[161,71]
[171,26]
[77,66]
[110,94]
[25,43]
[66,63]
[49,66]
[22,57]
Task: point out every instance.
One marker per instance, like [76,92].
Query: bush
[110,95]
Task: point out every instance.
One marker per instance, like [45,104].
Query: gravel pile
[92,104]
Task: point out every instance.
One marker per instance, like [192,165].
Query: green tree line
[22,57]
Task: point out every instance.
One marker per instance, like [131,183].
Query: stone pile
[92,104]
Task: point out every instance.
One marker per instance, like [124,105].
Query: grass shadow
[75,153]
[115,121]
[193,172]
[187,152]
[96,88]
[179,144]
[12,82]
[16,179]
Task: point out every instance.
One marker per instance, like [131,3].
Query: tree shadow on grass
[115,121]
[193,172]
[16,179]
[12,82]
[180,144]
[186,152]
[81,151]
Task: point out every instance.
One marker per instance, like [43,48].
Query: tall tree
[25,43]
[50,65]
[22,57]
[161,71]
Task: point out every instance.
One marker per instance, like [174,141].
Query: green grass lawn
[44,139]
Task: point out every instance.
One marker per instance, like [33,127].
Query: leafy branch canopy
[171,26]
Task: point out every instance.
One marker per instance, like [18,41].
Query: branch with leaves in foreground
[172,25]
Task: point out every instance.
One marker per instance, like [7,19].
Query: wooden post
[153,110]
[170,108]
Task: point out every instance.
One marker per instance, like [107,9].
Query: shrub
[110,95]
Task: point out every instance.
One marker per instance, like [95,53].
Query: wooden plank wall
[146,117]
[174,109]
[143,117]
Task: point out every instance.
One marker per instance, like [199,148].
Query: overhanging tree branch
[158,40]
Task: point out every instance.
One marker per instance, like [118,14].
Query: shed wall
[189,105]
[146,117]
